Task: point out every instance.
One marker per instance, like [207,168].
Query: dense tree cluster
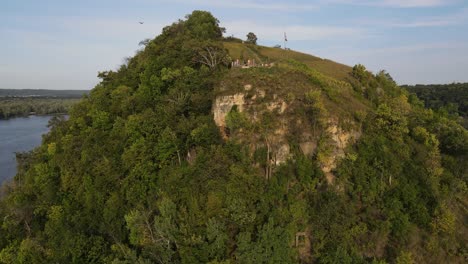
[41,93]
[13,107]
[450,99]
[139,173]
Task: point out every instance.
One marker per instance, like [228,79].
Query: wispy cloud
[459,17]
[408,64]
[55,45]
[61,28]
[411,49]
[396,3]
[123,28]
[415,3]
[249,4]
[295,32]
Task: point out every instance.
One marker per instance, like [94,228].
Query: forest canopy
[449,98]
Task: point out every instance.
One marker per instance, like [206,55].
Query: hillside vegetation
[178,158]
[266,54]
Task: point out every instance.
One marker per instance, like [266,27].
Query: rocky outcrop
[224,104]
[276,138]
[340,140]
[256,102]
[308,148]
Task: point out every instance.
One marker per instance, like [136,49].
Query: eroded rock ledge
[255,102]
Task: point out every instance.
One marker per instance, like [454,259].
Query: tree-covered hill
[178,158]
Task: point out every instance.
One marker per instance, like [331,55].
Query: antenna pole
[285,40]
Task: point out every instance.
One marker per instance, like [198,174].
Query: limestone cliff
[279,122]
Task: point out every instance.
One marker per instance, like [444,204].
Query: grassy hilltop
[178,158]
[267,54]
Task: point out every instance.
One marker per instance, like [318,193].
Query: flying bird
[141,23]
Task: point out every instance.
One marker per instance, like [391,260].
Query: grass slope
[267,54]
[294,75]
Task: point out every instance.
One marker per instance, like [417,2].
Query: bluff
[204,149]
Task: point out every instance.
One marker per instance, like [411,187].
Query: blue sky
[58,44]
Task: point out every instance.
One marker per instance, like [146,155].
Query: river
[16,135]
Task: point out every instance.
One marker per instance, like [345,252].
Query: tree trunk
[268,165]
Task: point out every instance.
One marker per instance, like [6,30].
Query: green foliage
[390,122]
[360,72]
[251,38]
[236,120]
[405,258]
[233,39]
[376,88]
[331,86]
[271,246]
[449,99]
[41,93]
[324,149]
[453,137]
[203,25]
[154,235]
[315,109]
[25,106]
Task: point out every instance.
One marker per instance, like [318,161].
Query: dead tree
[211,56]
[268,168]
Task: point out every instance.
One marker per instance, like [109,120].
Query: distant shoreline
[27,106]
[33,114]
[42,93]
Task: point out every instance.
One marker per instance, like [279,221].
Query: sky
[63,44]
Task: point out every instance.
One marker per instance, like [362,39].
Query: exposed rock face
[341,139]
[224,104]
[308,147]
[282,154]
[279,105]
[261,93]
[276,137]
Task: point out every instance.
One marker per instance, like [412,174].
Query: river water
[16,135]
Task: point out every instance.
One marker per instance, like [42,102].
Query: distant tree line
[449,98]
[42,93]
[14,107]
